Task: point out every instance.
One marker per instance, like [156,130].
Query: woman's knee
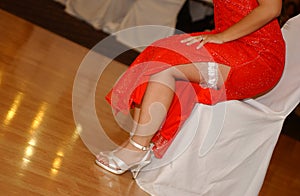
[163,75]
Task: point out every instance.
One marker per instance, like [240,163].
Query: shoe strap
[143,148]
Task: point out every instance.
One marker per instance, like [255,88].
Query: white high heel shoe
[117,166]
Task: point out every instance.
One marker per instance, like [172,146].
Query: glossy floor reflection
[41,150]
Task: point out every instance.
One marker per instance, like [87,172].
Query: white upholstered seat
[226,149]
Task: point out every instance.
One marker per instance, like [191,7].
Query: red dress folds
[256,62]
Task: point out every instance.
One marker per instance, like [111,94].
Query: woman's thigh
[200,72]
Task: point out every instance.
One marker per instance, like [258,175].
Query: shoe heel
[138,168]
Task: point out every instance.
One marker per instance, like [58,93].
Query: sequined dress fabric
[256,62]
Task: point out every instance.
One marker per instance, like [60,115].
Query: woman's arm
[266,11]
[260,16]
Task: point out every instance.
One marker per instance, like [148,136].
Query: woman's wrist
[222,37]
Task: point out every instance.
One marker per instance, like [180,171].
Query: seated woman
[242,57]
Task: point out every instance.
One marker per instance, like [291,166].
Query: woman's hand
[203,39]
[266,11]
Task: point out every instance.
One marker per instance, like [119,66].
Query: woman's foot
[130,156]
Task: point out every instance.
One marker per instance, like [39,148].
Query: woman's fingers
[187,39]
[191,40]
[203,39]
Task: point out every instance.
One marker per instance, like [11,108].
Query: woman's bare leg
[156,102]
[159,95]
[158,98]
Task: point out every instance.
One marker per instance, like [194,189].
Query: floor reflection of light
[54,171]
[27,154]
[60,153]
[13,109]
[56,165]
[20,174]
[25,162]
[76,133]
[28,151]
[32,142]
[39,116]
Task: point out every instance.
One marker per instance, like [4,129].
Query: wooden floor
[41,150]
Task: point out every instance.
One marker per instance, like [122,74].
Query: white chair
[226,149]
[115,15]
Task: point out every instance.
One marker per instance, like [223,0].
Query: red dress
[256,62]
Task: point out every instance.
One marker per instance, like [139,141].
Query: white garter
[210,75]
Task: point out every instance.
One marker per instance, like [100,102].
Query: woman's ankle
[142,140]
